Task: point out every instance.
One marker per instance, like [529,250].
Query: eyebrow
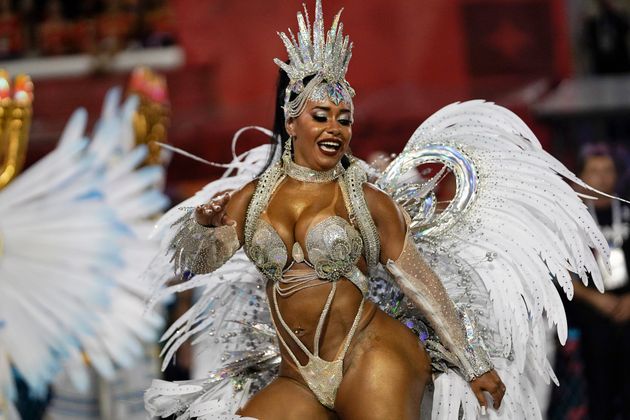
[327,109]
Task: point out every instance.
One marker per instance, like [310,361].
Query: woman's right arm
[227,208]
[208,236]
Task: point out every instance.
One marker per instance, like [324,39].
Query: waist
[303,276]
[303,307]
[302,311]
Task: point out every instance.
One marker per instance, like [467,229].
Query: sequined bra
[333,248]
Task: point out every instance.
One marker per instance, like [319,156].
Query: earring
[288,149]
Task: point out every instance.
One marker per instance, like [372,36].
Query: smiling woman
[321,134]
[320,235]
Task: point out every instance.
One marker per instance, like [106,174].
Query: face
[599,172]
[322,134]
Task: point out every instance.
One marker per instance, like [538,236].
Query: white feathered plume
[514,226]
[230,310]
[69,227]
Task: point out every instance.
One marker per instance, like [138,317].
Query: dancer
[478,272]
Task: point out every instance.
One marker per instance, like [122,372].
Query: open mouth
[330,146]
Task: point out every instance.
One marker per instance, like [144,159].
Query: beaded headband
[325,58]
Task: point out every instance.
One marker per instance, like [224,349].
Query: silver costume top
[333,248]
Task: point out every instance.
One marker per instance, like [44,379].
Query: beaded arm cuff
[455,329]
[198,249]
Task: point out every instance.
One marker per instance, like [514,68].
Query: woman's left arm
[417,280]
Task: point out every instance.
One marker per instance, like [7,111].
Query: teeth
[331,144]
[329,147]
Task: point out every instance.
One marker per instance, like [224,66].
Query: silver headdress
[326,58]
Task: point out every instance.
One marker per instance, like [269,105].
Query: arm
[209,235]
[402,258]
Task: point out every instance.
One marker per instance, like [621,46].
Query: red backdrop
[410,58]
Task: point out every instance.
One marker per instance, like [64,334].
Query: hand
[491,383]
[213,214]
[621,313]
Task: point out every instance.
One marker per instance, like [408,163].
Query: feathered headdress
[324,57]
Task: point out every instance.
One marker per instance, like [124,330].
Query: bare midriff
[302,311]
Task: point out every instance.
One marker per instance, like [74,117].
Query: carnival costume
[70,229]
[473,280]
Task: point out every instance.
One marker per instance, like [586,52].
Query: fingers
[497,395]
[222,199]
[491,383]
[482,400]
[213,213]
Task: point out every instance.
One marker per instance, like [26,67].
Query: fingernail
[483,410]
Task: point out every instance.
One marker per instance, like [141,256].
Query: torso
[294,209]
[380,344]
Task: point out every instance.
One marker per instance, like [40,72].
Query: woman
[317,231]
[373,348]
[386,369]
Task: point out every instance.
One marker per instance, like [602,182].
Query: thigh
[386,376]
[286,399]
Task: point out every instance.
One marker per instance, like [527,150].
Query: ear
[289,125]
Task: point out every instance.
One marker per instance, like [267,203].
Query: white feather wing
[514,227]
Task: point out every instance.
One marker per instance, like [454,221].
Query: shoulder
[389,220]
[238,204]
[383,209]
[246,192]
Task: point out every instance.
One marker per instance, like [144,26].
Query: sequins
[323,378]
[198,249]
[352,189]
[325,57]
[420,283]
[304,174]
[336,249]
[333,247]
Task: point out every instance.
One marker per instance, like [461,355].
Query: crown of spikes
[313,53]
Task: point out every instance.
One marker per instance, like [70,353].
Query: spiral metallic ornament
[427,221]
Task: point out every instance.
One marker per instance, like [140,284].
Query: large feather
[515,226]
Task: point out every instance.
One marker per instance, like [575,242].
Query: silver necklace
[304,174]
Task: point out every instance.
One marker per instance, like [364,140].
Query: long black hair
[280,134]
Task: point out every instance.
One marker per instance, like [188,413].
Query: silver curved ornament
[420,198]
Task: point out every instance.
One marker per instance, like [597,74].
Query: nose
[333,127]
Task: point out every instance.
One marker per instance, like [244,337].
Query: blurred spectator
[606,37]
[159,24]
[84,31]
[603,320]
[11,38]
[58,27]
[53,31]
[114,27]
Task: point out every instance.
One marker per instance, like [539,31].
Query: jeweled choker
[304,174]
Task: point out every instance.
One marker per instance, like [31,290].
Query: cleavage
[292,216]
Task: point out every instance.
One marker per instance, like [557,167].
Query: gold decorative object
[16,113]
[153,115]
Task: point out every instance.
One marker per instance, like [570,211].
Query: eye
[345,122]
[320,118]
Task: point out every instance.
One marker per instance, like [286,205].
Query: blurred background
[410,58]
[561,65]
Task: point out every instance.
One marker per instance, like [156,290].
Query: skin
[386,368]
[600,172]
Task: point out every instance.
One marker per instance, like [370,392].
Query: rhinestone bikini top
[271,255]
[333,248]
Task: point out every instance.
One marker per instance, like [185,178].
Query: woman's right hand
[213,213]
